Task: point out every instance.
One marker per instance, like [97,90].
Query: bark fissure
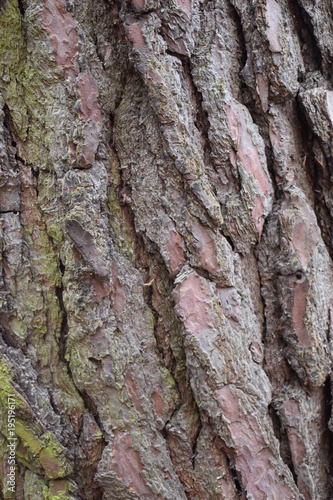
[318,173]
[235,477]
[88,401]
[64,324]
[201,118]
[312,55]
[328,437]
[195,444]
[22,4]
[241,37]
[282,436]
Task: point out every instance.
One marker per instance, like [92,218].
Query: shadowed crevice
[235,477]
[88,401]
[328,434]
[311,52]
[282,437]
[318,174]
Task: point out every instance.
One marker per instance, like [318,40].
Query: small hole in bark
[299,276]
[94,361]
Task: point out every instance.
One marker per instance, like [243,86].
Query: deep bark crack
[235,477]
[328,415]
[195,444]
[22,5]
[87,400]
[241,37]
[312,55]
[64,324]
[282,437]
[317,177]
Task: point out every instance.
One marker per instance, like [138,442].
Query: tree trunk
[166,234]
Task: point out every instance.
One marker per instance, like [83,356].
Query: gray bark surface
[166,283]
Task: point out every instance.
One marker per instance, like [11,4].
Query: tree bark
[166,234]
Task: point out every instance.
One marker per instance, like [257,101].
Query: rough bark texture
[185,145]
